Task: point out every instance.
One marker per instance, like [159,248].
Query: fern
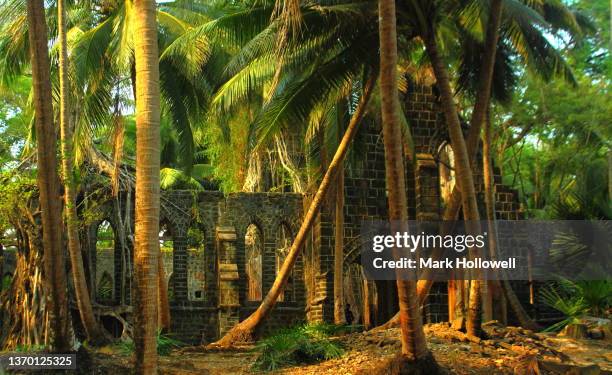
[298,345]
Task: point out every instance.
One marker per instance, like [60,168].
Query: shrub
[165,345]
[577,299]
[298,345]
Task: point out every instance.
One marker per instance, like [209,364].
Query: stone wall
[191,269]
[206,266]
[366,199]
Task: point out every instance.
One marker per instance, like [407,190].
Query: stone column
[227,279]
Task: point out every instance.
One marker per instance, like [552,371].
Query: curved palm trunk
[48,181]
[92,328]
[146,249]
[465,178]
[339,317]
[244,330]
[414,346]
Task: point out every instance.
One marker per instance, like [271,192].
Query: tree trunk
[339,317]
[414,346]
[92,328]
[478,115]
[146,248]
[244,330]
[465,179]
[162,290]
[489,189]
[48,181]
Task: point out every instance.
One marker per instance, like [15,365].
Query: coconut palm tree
[92,328]
[48,180]
[146,249]
[414,346]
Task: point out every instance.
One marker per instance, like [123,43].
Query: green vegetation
[255,96]
[165,345]
[298,345]
[576,300]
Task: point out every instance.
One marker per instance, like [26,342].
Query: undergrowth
[165,345]
[576,299]
[302,344]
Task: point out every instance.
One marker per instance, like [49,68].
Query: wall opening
[253,243]
[196,264]
[105,262]
[166,247]
[105,288]
[446,162]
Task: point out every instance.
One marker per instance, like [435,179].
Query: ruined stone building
[221,253]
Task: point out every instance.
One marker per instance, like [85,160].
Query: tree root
[235,338]
[400,364]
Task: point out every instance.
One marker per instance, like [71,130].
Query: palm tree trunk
[162,290]
[48,181]
[489,189]
[339,317]
[465,179]
[146,248]
[478,115]
[414,346]
[92,328]
[245,329]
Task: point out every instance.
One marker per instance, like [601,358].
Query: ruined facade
[221,253]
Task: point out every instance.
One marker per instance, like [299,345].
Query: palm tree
[92,328]
[146,248]
[521,30]
[48,181]
[414,346]
[489,192]
[339,315]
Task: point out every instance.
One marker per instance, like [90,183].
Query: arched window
[283,244]
[196,275]
[166,247]
[105,261]
[253,243]
[446,158]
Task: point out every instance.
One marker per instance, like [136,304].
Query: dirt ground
[507,350]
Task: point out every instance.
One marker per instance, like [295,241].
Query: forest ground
[508,350]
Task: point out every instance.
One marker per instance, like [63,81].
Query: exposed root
[25,319]
[391,323]
[234,339]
